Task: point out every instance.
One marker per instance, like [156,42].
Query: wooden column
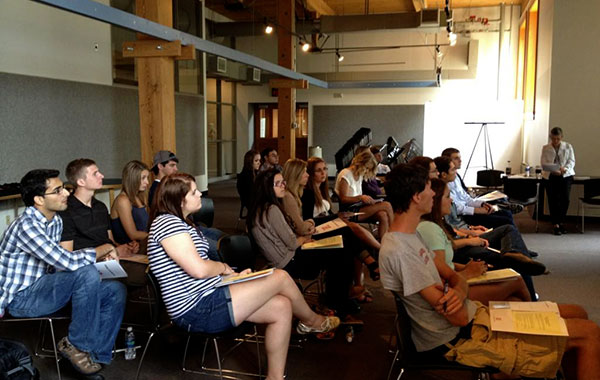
[286,109]
[156,81]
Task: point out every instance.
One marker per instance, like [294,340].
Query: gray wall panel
[45,123]
[334,125]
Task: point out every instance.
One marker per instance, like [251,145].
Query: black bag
[16,362]
[489,178]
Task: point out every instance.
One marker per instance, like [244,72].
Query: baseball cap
[164,156]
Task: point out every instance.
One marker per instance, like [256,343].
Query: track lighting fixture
[452,38]
[268,29]
[340,58]
[305,45]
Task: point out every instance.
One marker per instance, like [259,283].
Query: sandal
[374,270]
[328,324]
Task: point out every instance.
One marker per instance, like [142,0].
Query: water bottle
[129,344]
[508,169]
[350,334]
[527,171]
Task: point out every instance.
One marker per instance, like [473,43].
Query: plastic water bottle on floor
[129,344]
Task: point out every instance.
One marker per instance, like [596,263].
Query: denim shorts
[212,314]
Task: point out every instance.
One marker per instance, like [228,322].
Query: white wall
[39,40]
[575,93]
[447,108]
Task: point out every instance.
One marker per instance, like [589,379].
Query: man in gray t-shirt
[407,267]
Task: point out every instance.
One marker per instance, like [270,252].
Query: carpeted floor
[574,260]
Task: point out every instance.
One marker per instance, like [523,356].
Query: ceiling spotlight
[438,51]
[305,45]
[339,57]
[452,38]
[268,29]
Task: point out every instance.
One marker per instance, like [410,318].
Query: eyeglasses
[56,191]
[279,184]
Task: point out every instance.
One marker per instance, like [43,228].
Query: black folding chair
[244,333]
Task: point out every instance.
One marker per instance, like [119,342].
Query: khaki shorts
[513,354]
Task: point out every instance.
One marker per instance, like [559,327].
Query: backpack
[16,362]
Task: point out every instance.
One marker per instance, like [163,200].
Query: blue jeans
[212,235]
[212,314]
[97,307]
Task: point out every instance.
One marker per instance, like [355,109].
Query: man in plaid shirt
[38,277]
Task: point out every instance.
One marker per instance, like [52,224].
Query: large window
[221,132]
[527,61]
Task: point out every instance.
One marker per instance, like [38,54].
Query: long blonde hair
[132,178]
[322,190]
[364,164]
[292,174]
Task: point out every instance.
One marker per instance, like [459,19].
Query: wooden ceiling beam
[320,6]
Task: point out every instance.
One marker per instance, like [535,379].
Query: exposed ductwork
[430,18]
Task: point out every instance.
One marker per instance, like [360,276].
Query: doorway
[266,132]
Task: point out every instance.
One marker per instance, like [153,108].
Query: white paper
[110,269]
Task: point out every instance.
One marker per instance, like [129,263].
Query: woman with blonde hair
[129,214]
[348,187]
[296,176]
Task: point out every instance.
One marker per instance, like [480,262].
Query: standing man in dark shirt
[164,164]
[86,222]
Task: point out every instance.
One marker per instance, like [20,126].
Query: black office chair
[237,252]
[206,215]
[244,333]
[590,198]
[524,195]
[409,359]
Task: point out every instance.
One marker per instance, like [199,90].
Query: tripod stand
[486,143]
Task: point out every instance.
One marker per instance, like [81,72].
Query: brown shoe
[80,360]
[524,264]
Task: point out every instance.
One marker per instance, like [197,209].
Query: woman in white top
[348,187]
[188,279]
[561,155]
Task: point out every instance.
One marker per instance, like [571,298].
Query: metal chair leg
[218,358]
[54,347]
[137,374]
[392,365]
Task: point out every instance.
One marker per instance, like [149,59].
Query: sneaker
[80,360]
[515,208]
[329,324]
[562,229]
[556,231]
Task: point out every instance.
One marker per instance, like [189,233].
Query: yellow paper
[494,276]
[537,322]
[331,242]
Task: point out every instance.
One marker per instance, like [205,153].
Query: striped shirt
[29,249]
[180,291]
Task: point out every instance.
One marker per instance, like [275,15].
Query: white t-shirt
[355,186]
[324,209]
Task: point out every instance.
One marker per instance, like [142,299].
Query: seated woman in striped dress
[188,279]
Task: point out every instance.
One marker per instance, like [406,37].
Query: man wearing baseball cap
[163,164]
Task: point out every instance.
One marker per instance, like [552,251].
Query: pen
[445,292]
